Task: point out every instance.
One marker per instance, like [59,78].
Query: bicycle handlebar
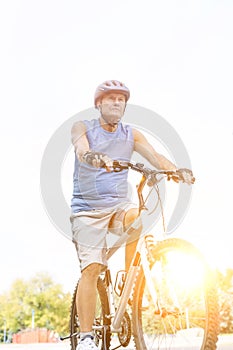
[150,174]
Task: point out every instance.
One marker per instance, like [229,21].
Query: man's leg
[86,296]
[129,218]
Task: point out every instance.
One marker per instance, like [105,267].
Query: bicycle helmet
[110,86]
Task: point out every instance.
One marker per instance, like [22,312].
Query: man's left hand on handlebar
[186,175]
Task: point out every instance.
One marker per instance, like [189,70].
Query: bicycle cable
[156,187]
[159,202]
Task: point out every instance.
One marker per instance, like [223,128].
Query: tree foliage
[39,300]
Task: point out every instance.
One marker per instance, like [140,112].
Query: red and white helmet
[110,86]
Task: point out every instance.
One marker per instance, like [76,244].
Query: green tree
[41,296]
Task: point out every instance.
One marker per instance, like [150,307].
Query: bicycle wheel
[186,296]
[102,337]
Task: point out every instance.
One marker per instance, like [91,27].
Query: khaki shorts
[90,229]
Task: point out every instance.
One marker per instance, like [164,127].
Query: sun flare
[184,270]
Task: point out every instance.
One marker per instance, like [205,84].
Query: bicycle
[166,311]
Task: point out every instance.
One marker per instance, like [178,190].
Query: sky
[176,58]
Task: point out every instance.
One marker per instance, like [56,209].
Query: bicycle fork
[149,279]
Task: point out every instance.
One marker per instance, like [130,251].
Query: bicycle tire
[101,318]
[189,317]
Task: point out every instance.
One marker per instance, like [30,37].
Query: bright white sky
[175,56]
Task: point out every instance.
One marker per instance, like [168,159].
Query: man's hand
[186,175]
[98,160]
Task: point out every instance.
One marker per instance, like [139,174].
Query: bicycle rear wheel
[102,337]
[188,313]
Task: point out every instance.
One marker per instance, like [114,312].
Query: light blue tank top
[95,189]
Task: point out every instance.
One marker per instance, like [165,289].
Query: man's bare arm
[83,151]
[143,147]
[79,139]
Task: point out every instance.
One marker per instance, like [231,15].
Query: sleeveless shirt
[95,188]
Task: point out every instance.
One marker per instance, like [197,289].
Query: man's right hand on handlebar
[98,160]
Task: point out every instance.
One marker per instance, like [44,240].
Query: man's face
[112,107]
